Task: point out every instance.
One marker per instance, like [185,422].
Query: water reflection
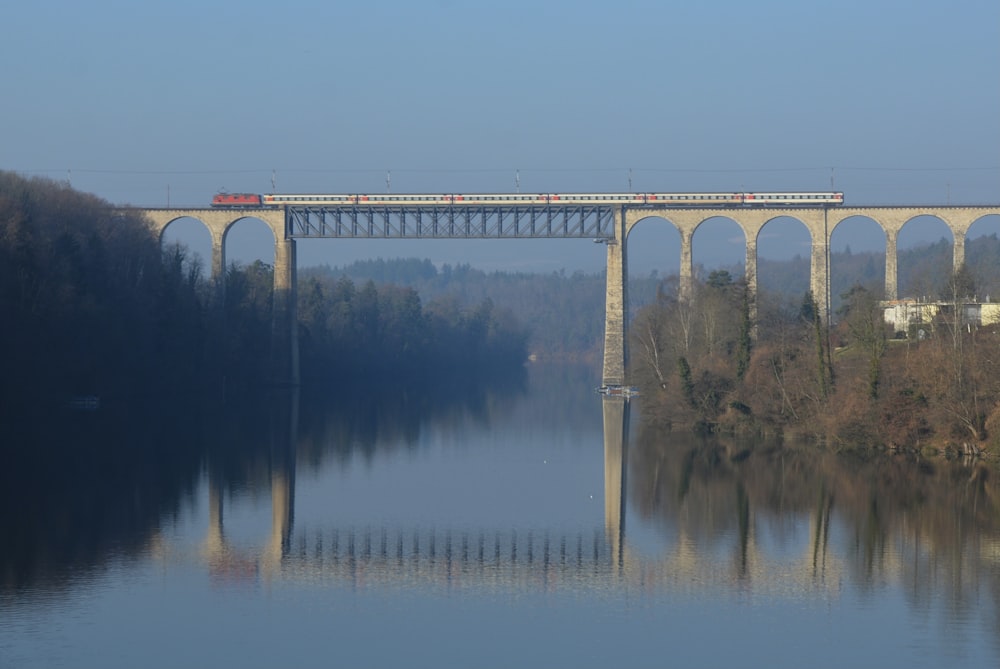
[780,518]
[759,517]
[81,489]
[681,515]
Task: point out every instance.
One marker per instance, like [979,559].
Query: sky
[153,103]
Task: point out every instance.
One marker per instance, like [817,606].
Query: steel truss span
[456,221]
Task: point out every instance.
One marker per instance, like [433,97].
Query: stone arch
[914,233]
[721,225]
[848,235]
[981,257]
[652,253]
[192,233]
[255,226]
[817,227]
[667,235]
[781,239]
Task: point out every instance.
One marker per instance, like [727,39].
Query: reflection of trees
[80,487]
[929,524]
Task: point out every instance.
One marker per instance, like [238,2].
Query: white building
[902,314]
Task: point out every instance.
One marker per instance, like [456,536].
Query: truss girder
[451,222]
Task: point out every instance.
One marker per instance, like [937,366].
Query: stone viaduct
[819,221]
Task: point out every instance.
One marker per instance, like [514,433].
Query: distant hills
[565,311]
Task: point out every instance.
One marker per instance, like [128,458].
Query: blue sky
[890,101]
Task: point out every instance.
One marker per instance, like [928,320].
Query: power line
[513,170]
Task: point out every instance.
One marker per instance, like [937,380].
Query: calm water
[533,525]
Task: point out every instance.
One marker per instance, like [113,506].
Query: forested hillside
[89,303]
[92,306]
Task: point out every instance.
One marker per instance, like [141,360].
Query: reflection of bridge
[564,220]
[582,559]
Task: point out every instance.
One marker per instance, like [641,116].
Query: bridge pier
[958,253]
[218,278]
[819,270]
[891,274]
[284,316]
[750,275]
[686,274]
[616,306]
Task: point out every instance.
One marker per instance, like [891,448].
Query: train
[804,198]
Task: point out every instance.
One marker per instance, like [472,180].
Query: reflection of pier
[585,559]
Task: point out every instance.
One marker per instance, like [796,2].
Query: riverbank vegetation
[704,365]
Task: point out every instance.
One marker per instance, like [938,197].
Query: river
[529,524]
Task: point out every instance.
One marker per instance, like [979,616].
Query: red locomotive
[236,200]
